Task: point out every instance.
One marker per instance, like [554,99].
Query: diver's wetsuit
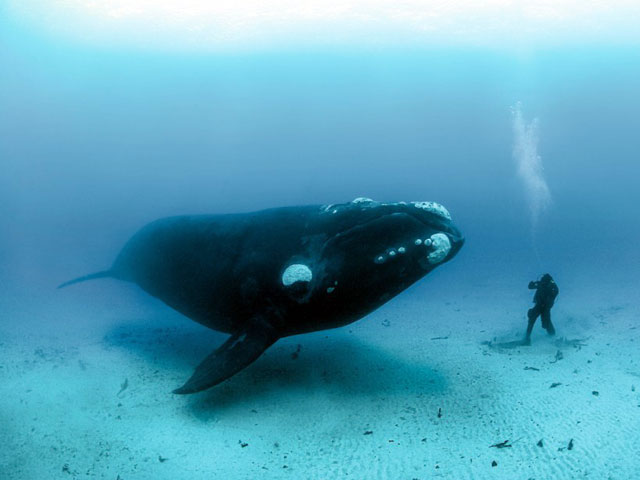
[546,293]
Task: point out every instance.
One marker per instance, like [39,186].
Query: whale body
[269,274]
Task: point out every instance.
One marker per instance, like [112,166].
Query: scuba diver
[546,293]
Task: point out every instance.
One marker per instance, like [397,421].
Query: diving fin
[240,350]
[92,276]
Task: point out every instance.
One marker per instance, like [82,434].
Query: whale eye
[296,273]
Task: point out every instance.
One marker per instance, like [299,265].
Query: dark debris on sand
[504,444]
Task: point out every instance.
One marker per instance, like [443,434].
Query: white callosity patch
[390,253]
[329,208]
[296,273]
[441,247]
[362,200]
[433,207]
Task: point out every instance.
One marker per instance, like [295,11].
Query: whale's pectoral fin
[240,350]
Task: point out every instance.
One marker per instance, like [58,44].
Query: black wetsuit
[546,293]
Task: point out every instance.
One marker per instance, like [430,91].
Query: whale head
[374,251]
[393,243]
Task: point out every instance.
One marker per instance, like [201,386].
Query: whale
[269,274]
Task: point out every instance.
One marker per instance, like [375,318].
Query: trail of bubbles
[530,169]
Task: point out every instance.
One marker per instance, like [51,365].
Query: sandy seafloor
[359,402]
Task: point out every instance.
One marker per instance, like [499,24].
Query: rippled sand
[420,389]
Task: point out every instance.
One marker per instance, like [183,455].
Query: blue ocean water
[96,142]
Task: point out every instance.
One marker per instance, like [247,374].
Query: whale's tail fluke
[91,276]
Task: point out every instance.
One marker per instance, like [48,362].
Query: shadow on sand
[322,363]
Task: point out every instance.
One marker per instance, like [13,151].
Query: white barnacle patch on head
[418,241]
[392,253]
[441,247]
[296,273]
[379,259]
[327,208]
[434,208]
[402,250]
[361,200]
